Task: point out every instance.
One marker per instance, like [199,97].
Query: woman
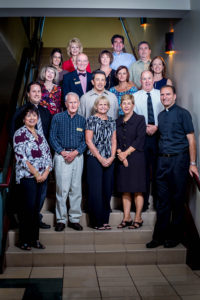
[105,59]
[33,164]
[74,48]
[131,131]
[124,85]
[51,93]
[101,140]
[158,68]
[56,60]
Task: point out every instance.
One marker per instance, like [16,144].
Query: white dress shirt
[141,104]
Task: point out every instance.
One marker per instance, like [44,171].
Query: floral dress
[52,100]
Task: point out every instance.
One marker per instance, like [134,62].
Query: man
[87,100]
[78,81]
[120,58]
[142,64]
[67,138]
[34,95]
[147,103]
[177,155]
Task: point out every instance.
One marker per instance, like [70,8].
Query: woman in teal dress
[124,85]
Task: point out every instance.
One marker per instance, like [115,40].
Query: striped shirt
[67,133]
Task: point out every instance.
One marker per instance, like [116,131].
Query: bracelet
[193,163]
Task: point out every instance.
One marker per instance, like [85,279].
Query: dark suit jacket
[45,116]
[71,83]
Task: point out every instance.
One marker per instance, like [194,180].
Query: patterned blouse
[27,148]
[102,134]
[131,91]
[51,100]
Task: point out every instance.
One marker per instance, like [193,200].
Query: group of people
[122,123]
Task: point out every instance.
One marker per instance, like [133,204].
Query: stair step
[89,236]
[91,254]
[116,217]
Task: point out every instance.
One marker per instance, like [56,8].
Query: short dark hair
[144,42]
[54,50]
[169,86]
[115,36]
[30,85]
[108,53]
[98,72]
[29,107]
[119,69]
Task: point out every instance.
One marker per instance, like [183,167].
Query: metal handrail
[128,37]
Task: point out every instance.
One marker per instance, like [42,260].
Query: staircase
[92,247]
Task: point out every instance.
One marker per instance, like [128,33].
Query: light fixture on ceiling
[143,22]
[169,42]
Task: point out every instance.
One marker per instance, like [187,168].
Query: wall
[185,66]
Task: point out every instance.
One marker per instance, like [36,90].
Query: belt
[168,155]
[69,149]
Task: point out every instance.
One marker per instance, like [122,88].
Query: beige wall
[93,32]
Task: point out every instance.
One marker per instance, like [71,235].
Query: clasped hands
[106,162]
[122,157]
[69,156]
[151,129]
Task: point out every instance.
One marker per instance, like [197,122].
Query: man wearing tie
[78,81]
[147,103]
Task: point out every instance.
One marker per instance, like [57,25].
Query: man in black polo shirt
[177,155]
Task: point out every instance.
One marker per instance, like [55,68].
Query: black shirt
[173,125]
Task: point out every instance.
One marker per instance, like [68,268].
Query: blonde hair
[128,97]
[96,102]
[75,41]
[43,73]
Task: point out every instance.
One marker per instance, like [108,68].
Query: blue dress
[159,84]
[131,91]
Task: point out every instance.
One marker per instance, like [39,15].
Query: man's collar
[96,93]
[171,107]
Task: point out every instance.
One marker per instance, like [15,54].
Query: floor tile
[115,281]
[150,281]
[107,237]
[47,272]
[73,293]
[162,297]
[197,273]
[183,279]
[190,297]
[86,258]
[175,255]
[147,270]
[175,269]
[112,271]
[187,289]
[119,291]
[156,291]
[122,298]
[11,293]
[89,271]
[80,277]
[18,272]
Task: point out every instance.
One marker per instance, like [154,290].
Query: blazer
[45,116]
[71,83]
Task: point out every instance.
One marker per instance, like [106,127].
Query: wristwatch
[193,163]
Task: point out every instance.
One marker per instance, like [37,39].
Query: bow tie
[82,74]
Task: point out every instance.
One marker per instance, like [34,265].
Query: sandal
[38,245]
[24,246]
[124,224]
[136,225]
[107,226]
[99,228]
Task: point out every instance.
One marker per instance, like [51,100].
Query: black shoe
[59,227]
[171,243]
[75,226]
[44,225]
[154,244]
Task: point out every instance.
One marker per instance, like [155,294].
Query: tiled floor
[132,282]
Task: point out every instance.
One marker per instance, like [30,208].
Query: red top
[69,66]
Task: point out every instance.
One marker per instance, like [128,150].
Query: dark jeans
[100,186]
[29,209]
[171,180]
[43,196]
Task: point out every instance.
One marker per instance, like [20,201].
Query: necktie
[82,74]
[150,110]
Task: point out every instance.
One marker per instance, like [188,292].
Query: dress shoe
[154,244]
[60,227]
[44,225]
[171,243]
[75,226]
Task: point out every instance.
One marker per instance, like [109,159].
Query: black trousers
[151,152]
[100,186]
[171,181]
[29,207]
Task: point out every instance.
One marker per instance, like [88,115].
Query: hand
[125,163]
[193,169]
[122,155]
[70,156]
[151,129]
[64,154]
[39,178]
[110,160]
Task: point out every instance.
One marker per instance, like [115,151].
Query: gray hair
[72,94]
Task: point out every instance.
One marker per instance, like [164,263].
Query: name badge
[77,82]
[79,129]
